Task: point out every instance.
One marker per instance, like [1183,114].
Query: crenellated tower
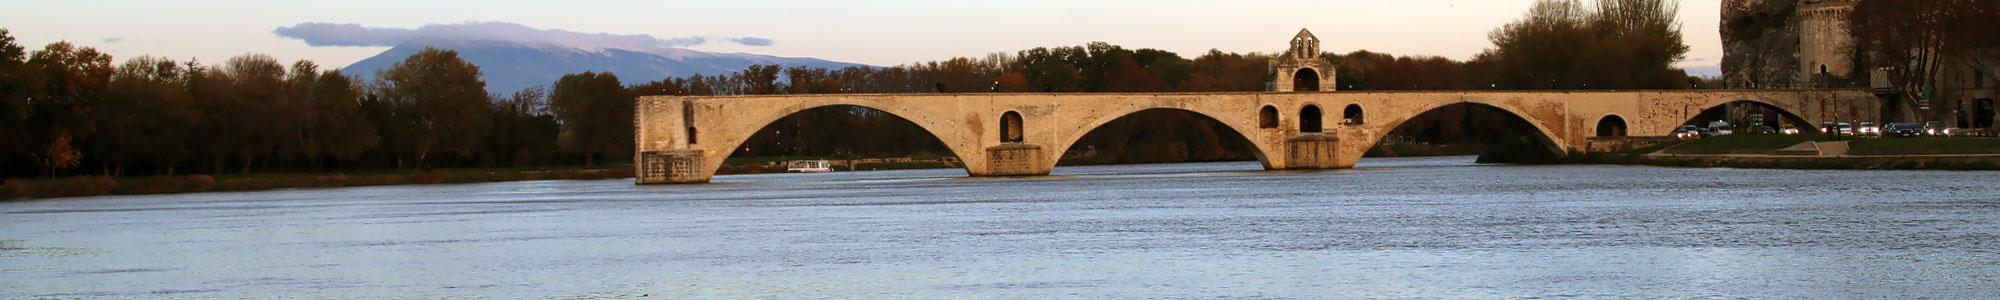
[1826,48]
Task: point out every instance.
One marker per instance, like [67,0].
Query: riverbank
[17,189]
[1812,152]
[762,165]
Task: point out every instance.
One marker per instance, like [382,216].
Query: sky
[879,33]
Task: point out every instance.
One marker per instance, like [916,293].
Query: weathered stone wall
[1825,45]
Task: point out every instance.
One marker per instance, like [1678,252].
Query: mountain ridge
[512,66]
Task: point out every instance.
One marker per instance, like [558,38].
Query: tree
[145,115]
[59,109]
[253,124]
[330,123]
[595,112]
[16,88]
[442,97]
[759,80]
[1227,72]
[1916,40]
[516,135]
[1562,44]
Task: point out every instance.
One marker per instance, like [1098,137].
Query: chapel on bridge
[1301,69]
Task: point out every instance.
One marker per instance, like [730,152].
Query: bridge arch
[1241,130]
[1542,135]
[753,120]
[1784,113]
[1611,125]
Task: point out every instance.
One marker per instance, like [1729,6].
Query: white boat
[808,166]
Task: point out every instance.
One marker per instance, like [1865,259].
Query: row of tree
[67,106]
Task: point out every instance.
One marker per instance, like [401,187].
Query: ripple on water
[1438,227]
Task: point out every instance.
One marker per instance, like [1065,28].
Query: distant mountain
[1702,71]
[510,66]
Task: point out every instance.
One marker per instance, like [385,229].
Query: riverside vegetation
[1917,153]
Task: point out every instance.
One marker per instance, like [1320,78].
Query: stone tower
[1300,69]
[1826,49]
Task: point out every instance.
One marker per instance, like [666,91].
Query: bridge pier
[671,166]
[1312,151]
[1015,159]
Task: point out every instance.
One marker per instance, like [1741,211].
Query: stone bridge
[685,139]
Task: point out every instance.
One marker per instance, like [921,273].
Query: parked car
[1788,129]
[1868,129]
[1723,129]
[1766,130]
[1903,130]
[1935,128]
[1687,132]
[1844,128]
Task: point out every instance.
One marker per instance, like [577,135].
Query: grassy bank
[1624,157]
[1924,146]
[1918,153]
[762,165]
[1831,163]
[1743,143]
[105,185]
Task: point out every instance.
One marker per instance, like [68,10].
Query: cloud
[752,41]
[321,34]
[113,40]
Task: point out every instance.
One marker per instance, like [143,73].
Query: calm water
[1390,228]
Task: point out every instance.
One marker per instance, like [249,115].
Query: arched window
[1010,128]
[1611,126]
[1306,80]
[1309,118]
[1352,115]
[1267,117]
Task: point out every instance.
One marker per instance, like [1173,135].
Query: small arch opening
[1267,117]
[1612,125]
[1351,115]
[1309,118]
[1010,128]
[1306,80]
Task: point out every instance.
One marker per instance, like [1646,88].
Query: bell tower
[1300,69]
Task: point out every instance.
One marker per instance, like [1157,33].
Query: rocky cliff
[1760,42]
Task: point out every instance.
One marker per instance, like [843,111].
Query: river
[1439,227]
